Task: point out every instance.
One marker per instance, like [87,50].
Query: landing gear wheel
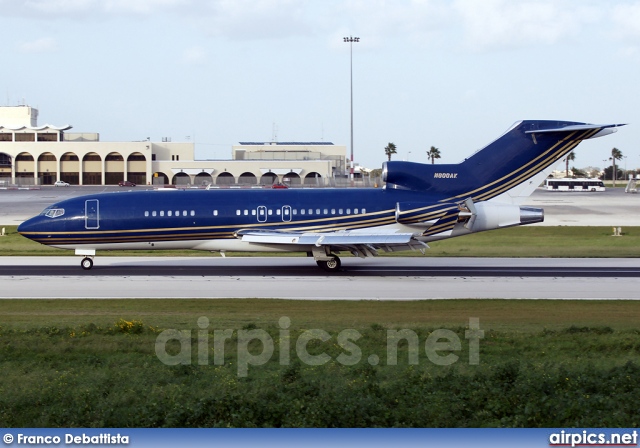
[332,265]
[86,263]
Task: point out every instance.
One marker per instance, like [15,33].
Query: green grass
[525,316]
[92,363]
[528,241]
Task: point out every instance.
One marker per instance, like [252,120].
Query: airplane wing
[359,243]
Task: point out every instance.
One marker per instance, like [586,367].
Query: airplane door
[91,214]
[262,213]
[286,213]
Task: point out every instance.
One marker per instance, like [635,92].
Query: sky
[451,74]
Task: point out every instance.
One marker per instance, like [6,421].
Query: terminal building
[41,155]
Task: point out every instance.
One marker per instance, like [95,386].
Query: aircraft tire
[332,265]
[86,263]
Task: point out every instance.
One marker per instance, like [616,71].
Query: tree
[570,157]
[578,172]
[608,173]
[390,149]
[616,154]
[433,154]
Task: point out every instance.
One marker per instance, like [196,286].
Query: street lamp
[351,40]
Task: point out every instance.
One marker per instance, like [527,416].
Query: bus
[580,184]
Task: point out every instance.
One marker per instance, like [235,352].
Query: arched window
[181,179]
[225,179]
[5,160]
[203,179]
[291,179]
[268,178]
[313,179]
[248,179]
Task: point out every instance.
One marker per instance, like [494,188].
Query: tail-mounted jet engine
[479,216]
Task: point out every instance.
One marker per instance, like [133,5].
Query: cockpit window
[53,212]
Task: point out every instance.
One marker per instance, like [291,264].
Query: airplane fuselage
[420,203]
[209,219]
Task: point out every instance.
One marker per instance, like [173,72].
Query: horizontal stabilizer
[605,129]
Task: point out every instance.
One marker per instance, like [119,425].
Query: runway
[384,278]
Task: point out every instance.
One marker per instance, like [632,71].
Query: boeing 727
[419,203]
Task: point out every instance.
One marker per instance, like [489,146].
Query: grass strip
[526,241]
[93,363]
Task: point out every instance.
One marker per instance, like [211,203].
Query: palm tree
[433,154]
[390,149]
[616,154]
[570,157]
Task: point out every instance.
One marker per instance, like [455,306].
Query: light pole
[351,40]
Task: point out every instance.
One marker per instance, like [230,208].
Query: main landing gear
[325,259]
[331,265]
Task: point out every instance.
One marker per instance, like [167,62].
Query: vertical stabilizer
[511,167]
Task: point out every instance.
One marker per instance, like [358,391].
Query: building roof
[37,128]
[285,143]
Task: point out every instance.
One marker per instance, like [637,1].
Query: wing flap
[342,238]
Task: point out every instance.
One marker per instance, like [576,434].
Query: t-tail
[484,191]
[507,169]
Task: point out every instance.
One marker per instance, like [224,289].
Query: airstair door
[91,214]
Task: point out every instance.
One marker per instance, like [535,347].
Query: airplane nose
[30,225]
[24,226]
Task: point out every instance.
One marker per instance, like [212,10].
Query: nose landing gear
[86,263]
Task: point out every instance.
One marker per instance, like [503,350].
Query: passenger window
[340,212]
[364,210]
[246,213]
[302,212]
[193,213]
[161,212]
[355,211]
[169,213]
[184,213]
[146,213]
[215,213]
[153,213]
[238,212]
[317,211]
[348,211]
[333,211]
[326,211]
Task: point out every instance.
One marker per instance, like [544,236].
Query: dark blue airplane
[420,203]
